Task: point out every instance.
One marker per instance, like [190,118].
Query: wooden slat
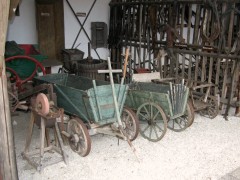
[210,72]
[165,66]
[182,20]
[190,67]
[196,68]
[140,36]
[238,97]
[203,69]
[189,23]
[183,66]
[230,30]
[177,65]
[196,25]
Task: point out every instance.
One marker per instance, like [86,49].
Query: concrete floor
[209,149]
[234,175]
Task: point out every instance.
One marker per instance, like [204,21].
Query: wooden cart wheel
[79,139]
[153,121]
[183,122]
[212,109]
[130,123]
[190,112]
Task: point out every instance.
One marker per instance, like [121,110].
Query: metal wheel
[183,122]
[212,109]
[130,123]
[79,139]
[153,121]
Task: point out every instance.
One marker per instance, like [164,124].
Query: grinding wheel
[42,104]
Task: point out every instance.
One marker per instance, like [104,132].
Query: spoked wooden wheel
[130,123]
[212,109]
[190,113]
[79,139]
[153,121]
[186,120]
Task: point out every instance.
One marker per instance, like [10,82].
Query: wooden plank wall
[8,170]
[201,38]
[50,26]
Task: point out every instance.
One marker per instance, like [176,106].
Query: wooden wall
[200,40]
[8,169]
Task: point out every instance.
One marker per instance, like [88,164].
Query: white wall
[99,13]
[23,28]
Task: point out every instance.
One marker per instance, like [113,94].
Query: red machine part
[20,81]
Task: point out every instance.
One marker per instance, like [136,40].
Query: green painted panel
[105,100]
[136,97]
[140,93]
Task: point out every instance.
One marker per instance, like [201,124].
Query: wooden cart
[160,106]
[90,105]
[200,95]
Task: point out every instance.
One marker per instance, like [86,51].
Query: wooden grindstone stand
[45,115]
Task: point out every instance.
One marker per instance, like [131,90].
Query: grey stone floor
[234,175]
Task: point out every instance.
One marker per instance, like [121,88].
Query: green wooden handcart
[90,104]
[160,106]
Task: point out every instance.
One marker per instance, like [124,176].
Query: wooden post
[8,169]
[237,113]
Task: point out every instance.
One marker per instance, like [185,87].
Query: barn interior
[117,89]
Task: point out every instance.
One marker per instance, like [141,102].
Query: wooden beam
[8,170]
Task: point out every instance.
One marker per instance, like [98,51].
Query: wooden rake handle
[125,63]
